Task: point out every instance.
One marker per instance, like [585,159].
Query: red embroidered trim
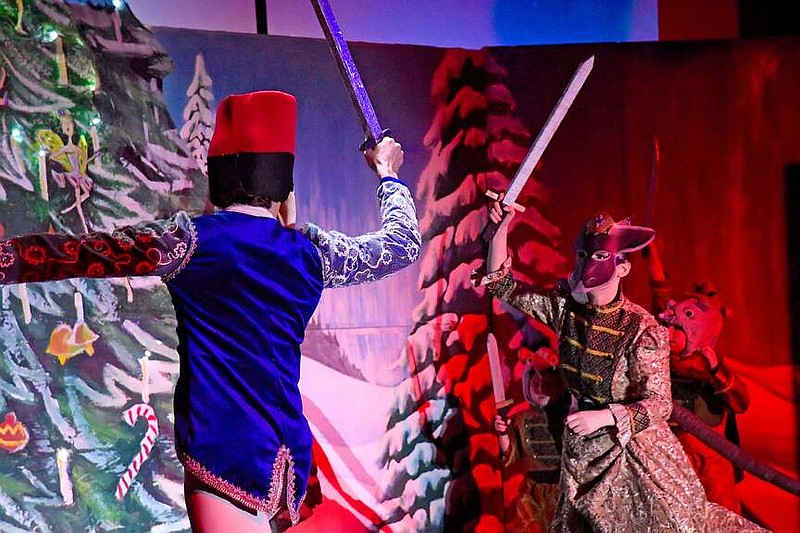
[282,476]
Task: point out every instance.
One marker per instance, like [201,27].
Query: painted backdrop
[103,123]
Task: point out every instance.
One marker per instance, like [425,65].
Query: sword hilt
[503,408]
[370,142]
[491,227]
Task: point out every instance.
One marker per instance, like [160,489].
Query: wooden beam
[261,17]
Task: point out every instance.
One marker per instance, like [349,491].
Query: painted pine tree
[198,117]
[75,354]
[442,455]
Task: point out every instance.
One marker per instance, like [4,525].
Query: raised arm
[159,248]
[544,307]
[350,260]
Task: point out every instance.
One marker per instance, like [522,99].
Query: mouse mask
[601,246]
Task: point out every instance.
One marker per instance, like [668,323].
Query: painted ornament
[61,61]
[13,434]
[19,28]
[67,342]
[25,301]
[64,479]
[15,139]
[144,363]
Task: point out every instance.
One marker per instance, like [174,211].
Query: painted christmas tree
[198,117]
[442,455]
[86,144]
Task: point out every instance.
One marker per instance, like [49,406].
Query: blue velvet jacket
[244,288]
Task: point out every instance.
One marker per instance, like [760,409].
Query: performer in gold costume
[622,468]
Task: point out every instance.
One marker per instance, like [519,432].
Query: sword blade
[349,71]
[498,384]
[546,134]
[651,192]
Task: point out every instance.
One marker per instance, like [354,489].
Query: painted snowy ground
[348,420]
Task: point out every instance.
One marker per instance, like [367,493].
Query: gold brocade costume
[634,476]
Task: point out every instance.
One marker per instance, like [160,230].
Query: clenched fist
[386,158]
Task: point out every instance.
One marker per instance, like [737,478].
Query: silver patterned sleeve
[352,260]
[547,307]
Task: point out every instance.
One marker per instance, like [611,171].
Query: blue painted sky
[462,23]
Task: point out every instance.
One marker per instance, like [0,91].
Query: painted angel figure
[71,153]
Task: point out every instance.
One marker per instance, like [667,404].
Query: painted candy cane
[131,416]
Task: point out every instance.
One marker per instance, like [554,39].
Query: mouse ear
[632,238]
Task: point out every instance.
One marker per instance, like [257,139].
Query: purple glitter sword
[352,79]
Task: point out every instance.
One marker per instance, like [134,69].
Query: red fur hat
[251,155]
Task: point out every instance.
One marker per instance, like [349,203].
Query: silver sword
[651,191]
[352,79]
[498,383]
[542,140]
